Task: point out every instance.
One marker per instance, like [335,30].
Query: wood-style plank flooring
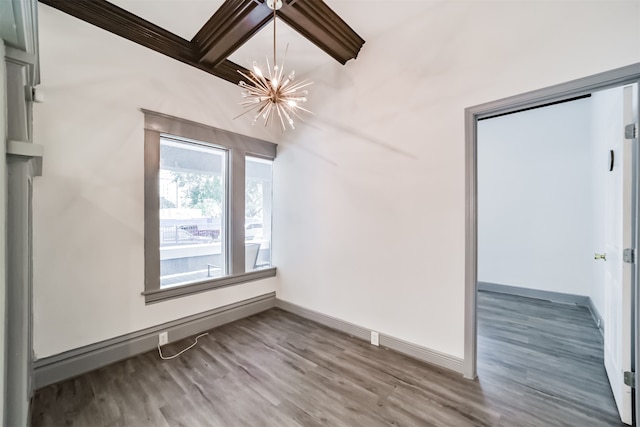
[540,364]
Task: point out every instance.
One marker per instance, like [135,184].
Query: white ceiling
[185,17]
[182,17]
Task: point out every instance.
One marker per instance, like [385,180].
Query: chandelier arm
[303,109]
[254,91]
[281,120]
[262,81]
[248,104]
[299,85]
[253,80]
[269,69]
[294,111]
[247,111]
[265,104]
[264,114]
[280,73]
[289,119]
[267,113]
[249,77]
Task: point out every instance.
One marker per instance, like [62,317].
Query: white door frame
[618,77]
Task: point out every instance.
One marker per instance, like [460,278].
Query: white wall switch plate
[374,338]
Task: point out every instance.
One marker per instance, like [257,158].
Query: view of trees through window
[199,191]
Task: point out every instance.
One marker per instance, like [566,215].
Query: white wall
[370,206]
[88,205]
[530,233]
[536,199]
[368,195]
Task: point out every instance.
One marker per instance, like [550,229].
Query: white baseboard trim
[415,351]
[74,362]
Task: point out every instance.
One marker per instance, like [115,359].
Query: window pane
[192,212]
[257,229]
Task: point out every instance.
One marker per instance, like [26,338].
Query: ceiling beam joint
[233,24]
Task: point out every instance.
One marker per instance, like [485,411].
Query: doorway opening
[578,88]
[549,197]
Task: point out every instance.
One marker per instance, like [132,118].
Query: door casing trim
[617,77]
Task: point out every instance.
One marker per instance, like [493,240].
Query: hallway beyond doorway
[551,354]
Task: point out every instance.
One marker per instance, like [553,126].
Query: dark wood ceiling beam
[323,27]
[125,24]
[226,70]
[234,23]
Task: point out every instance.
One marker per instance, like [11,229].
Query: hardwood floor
[540,364]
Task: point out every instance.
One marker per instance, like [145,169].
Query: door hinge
[631,131]
[630,379]
[629,256]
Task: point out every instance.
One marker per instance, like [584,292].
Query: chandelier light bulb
[256,69]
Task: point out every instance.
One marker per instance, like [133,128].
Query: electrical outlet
[374,338]
[163,338]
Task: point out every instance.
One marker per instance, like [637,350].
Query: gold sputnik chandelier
[273,97]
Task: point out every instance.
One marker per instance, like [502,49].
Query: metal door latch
[630,379]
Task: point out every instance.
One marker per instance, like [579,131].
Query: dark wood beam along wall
[235,22]
[323,27]
[125,24]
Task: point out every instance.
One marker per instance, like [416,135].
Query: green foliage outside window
[201,191]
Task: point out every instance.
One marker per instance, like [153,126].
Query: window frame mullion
[236,211]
